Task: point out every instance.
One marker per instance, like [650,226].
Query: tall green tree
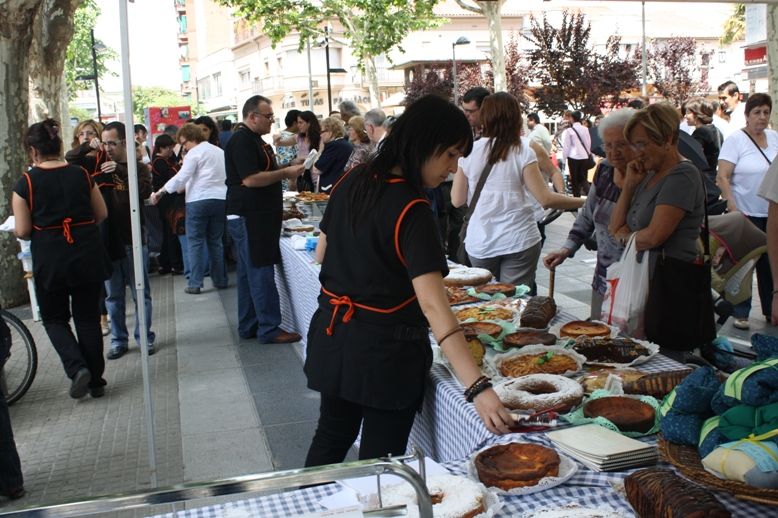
[78,58]
[370,27]
[735,25]
[146,96]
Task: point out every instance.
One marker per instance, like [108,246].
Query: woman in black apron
[382,289]
[58,207]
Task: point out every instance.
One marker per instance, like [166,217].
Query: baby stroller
[736,245]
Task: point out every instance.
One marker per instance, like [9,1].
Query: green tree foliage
[78,58]
[735,25]
[570,74]
[144,97]
[370,27]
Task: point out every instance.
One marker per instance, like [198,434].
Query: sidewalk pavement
[223,406]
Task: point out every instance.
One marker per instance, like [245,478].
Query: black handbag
[462,257]
[305,182]
[679,310]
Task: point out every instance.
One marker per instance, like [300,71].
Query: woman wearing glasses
[86,148]
[334,154]
[662,202]
[743,162]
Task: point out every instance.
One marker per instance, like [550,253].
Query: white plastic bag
[625,298]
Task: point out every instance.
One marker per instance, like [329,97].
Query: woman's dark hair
[162,141]
[501,119]
[291,117]
[427,128]
[208,122]
[45,137]
[314,129]
[701,108]
[755,100]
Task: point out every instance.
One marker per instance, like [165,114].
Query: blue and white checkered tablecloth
[586,488]
[297,278]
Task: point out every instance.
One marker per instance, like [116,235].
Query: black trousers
[170,257]
[383,431]
[10,467]
[579,176]
[87,350]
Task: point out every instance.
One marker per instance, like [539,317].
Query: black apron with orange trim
[66,246]
[368,342]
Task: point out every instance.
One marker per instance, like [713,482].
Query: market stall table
[297,278]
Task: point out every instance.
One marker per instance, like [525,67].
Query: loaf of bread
[538,312]
[660,493]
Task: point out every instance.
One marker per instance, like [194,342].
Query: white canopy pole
[137,240]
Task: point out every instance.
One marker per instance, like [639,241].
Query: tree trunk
[772,57]
[372,82]
[491,11]
[52,31]
[15,36]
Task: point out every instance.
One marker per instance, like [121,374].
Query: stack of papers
[602,449]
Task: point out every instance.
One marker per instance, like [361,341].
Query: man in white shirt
[729,96]
[576,147]
[538,132]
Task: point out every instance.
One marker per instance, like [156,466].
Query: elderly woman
[335,152]
[663,202]
[743,162]
[86,149]
[596,213]
[502,234]
[202,176]
[357,135]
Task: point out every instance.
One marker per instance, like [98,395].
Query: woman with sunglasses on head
[382,289]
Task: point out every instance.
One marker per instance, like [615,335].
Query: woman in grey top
[596,213]
[662,199]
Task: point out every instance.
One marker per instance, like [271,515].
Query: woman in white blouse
[502,235]
[202,175]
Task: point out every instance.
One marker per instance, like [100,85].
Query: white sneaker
[741,323]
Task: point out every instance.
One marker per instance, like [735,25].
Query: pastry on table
[660,493]
[578,328]
[497,287]
[459,296]
[538,312]
[485,313]
[513,465]
[628,414]
[596,380]
[610,350]
[452,496]
[537,392]
[556,361]
[522,338]
[466,276]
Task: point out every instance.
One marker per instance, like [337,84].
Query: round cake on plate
[628,414]
[578,328]
[452,497]
[513,465]
[465,276]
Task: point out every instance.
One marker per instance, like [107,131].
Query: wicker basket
[687,461]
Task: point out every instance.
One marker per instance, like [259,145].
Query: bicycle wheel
[19,370]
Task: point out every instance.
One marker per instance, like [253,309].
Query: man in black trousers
[11,481]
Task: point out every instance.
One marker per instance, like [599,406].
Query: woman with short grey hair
[593,219]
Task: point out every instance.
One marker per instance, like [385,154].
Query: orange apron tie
[337,303]
[66,230]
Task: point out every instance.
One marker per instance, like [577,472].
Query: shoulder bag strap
[478,188]
[581,140]
[757,145]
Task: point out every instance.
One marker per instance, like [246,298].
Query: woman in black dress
[699,115]
[382,289]
[58,206]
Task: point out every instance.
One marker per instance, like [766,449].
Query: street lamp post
[94,71]
[462,40]
[327,31]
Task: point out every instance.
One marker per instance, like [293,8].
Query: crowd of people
[401,192]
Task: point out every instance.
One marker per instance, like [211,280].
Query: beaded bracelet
[477,387]
[457,329]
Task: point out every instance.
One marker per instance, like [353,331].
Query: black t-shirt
[65,242]
[365,265]
[244,155]
[333,160]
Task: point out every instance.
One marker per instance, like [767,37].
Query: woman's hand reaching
[495,416]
